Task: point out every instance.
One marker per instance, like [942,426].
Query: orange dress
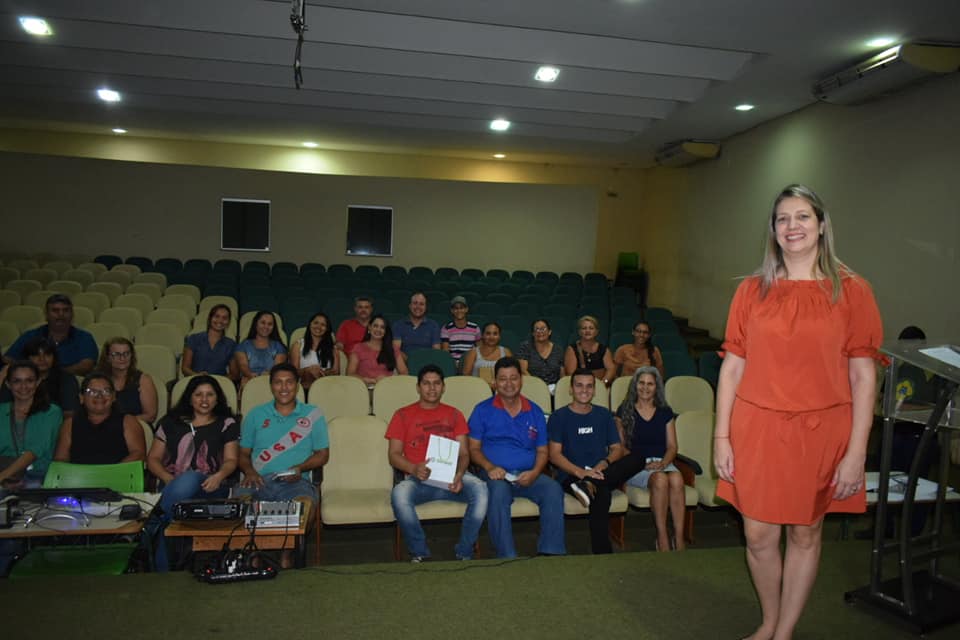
[791,418]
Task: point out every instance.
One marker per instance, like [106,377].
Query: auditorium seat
[130,317]
[537,391]
[393,392]
[695,441]
[168,266]
[60,266]
[180,301]
[43,276]
[9,298]
[7,274]
[226,265]
[66,287]
[131,269]
[154,278]
[9,332]
[109,261]
[688,393]
[618,391]
[167,335]
[340,396]
[121,278]
[198,265]
[153,290]
[24,287]
[143,263]
[103,331]
[708,367]
[172,316]
[678,363]
[38,298]
[94,268]
[84,277]
[141,301]
[82,316]
[160,363]
[24,316]
[93,300]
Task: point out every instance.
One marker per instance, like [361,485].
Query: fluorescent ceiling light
[546,74]
[108,95]
[310,145]
[499,156]
[499,124]
[118,130]
[883,41]
[744,107]
[35,26]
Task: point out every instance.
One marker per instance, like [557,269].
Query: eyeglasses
[541,329]
[120,355]
[98,393]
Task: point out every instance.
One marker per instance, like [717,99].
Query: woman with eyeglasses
[641,353]
[194,453]
[26,447]
[136,392]
[539,356]
[59,386]
[99,433]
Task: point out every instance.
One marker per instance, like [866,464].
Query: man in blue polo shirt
[281,442]
[416,331]
[508,441]
[76,349]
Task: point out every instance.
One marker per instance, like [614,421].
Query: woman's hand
[848,477]
[723,458]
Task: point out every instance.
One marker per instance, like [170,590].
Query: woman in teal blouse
[29,426]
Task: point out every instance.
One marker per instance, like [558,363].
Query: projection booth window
[369,230]
[244,225]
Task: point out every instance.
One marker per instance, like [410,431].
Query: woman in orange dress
[795,403]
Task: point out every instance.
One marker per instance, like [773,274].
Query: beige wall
[158,210]
[887,171]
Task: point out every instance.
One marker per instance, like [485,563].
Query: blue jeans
[546,493]
[185,486]
[411,492]
[280,490]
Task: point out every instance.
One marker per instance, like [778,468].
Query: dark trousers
[613,477]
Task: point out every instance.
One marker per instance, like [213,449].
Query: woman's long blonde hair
[828,264]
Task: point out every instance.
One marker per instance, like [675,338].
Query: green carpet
[697,594]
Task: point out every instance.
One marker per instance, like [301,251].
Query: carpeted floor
[703,593]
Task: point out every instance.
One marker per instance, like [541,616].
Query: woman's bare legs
[678,508]
[766,569]
[659,496]
[800,566]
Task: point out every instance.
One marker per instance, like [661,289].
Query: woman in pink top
[376,357]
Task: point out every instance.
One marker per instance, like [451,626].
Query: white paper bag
[442,456]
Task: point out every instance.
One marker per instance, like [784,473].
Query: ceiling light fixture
[882,41]
[499,124]
[744,107]
[546,74]
[118,130]
[108,95]
[311,145]
[35,26]
[499,156]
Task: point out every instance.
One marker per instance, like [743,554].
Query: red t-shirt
[350,333]
[413,425]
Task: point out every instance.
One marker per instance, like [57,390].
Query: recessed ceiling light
[882,41]
[546,74]
[499,156]
[310,145]
[744,107]
[499,124]
[118,130]
[35,26]
[108,95]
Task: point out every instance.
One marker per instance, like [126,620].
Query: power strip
[212,577]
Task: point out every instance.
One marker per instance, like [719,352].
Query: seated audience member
[409,434]
[353,331]
[29,424]
[377,356]
[416,331]
[642,353]
[480,360]
[194,453]
[136,393]
[99,433]
[584,442]
[508,442]
[76,348]
[589,353]
[281,442]
[59,386]
[262,349]
[210,351]
[315,355]
[539,357]
[459,335]
[647,425]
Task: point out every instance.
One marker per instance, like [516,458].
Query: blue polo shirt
[585,437]
[413,338]
[78,346]
[268,434]
[508,442]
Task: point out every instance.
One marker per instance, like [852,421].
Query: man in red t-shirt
[409,432]
[352,331]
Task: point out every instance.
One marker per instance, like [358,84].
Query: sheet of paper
[950,355]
